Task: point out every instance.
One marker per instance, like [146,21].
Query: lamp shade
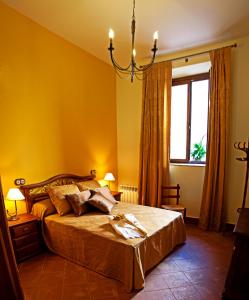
[15,194]
[109,177]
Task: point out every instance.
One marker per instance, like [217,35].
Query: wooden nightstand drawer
[26,236]
[22,230]
[25,240]
[28,251]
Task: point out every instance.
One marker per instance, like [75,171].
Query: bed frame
[38,191]
[88,247]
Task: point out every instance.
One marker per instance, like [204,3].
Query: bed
[89,240]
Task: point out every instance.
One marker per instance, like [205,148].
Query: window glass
[189,118]
[199,115]
[179,104]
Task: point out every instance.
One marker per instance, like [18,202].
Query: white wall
[190,179]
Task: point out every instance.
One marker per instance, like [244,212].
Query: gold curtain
[155,133]
[212,207]
[10,287]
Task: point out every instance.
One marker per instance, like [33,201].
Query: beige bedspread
[90,241]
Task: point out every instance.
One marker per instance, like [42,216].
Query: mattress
[89,240]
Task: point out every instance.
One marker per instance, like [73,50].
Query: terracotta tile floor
[194,271]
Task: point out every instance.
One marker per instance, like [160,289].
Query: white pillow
[105,192]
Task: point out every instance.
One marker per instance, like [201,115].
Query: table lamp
[14,194]
[109,177]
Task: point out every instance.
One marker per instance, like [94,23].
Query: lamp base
[13,218]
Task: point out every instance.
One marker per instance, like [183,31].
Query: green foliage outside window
[198,151]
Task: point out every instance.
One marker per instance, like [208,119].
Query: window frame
[188,80]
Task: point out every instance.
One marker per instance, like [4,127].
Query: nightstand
[25,236]
[116,195]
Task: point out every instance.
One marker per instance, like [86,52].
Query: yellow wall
[128,127]
[57,105]
[190,177]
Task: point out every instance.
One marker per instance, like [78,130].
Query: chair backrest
[171,192]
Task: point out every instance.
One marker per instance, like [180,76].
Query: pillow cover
[79,202]
[43,208]
[101,203]
[57,196]
[88,185]
[104,191]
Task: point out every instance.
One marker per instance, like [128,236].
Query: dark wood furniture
[10,286]
[172,192]
[244,146]
[38,191]
[116,195]
[25,236]
[237,281]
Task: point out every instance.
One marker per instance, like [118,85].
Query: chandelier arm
[138,70]
[128,71]
[121,74]
[147,66]
[117,66]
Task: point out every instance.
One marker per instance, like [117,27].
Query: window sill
[188,165]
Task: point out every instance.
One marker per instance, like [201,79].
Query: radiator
[129,193]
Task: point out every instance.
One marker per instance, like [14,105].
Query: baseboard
[191,220]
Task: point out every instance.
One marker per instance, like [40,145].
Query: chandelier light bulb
[111,34]
[155,36]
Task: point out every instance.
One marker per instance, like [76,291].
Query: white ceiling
[182,24]
[199,68]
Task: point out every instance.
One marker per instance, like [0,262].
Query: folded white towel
[128,226]
[130,218]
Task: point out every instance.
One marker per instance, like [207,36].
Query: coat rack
[244,146]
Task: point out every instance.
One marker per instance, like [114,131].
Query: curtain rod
[199,53]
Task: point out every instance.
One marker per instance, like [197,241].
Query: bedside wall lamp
[14,194]
[109,177]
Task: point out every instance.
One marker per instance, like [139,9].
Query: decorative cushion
[101,203]
[88,185]
[104,191]
[79,202]
[43,208]
[57,196]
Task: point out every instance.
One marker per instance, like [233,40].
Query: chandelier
[132,69]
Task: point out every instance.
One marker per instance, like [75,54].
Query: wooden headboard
[38,191]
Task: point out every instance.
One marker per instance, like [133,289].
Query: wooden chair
[172,192]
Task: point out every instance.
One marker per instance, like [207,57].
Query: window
[189,118]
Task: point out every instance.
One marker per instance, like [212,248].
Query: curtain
[212,207]
[155,133]
[10,287]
